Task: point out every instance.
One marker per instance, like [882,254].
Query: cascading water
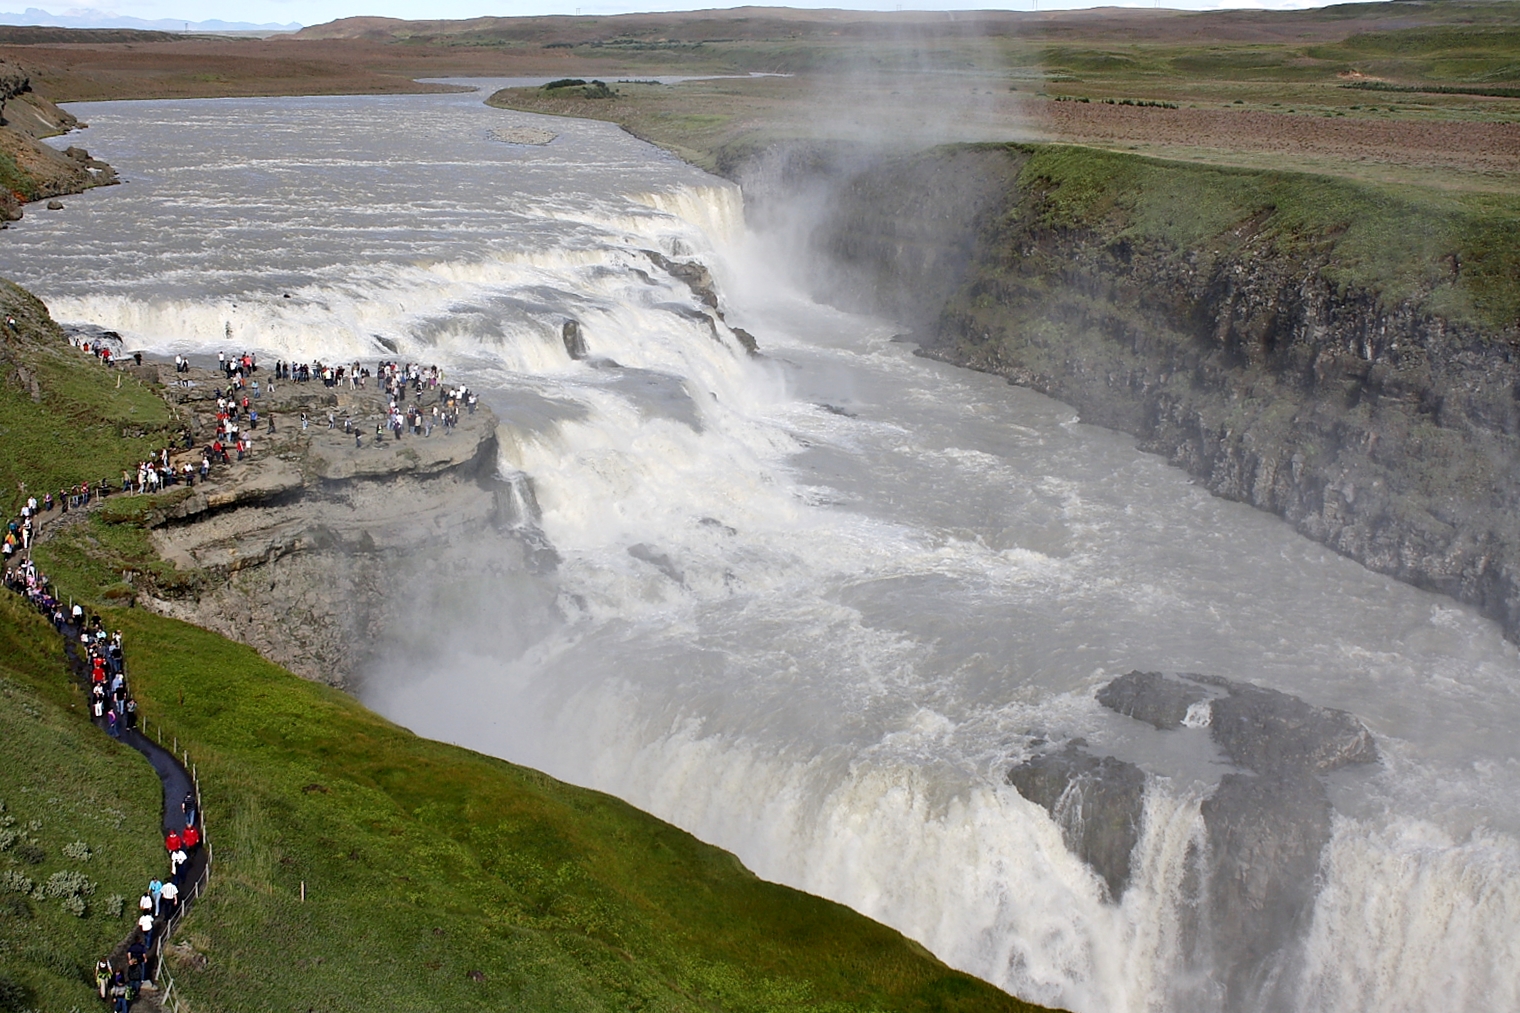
[814,606]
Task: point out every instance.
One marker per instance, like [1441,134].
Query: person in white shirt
[169,898]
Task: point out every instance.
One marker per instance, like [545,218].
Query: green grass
[85,422]
[65,781]
[423,863]
[1452,252]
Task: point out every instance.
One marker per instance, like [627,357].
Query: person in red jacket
[173,842]
[191,837]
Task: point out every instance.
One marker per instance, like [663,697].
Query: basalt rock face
[315,551]
[1371,422]
[1097,802]
[1388,434]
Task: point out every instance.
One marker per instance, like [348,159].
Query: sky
[311,12]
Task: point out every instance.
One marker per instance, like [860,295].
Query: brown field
[1467,147]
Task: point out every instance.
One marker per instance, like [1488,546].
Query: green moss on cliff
[1452,253]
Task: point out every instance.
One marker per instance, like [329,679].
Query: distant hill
[1115,24]
[86,18]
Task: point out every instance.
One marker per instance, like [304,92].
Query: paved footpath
[171,772]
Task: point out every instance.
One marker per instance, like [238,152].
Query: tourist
[169,896]
[155,891]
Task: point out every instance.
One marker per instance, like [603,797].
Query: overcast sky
[311,12]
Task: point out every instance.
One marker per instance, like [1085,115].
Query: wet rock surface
[1267,730]
[1097,801]
[575,341]
[1265,836]
[1152,697]
[1265,829]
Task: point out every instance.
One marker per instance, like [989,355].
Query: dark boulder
[1152,697]
[697,277]
[1267,730]
[1097,802]
[575,341]
[1265,835]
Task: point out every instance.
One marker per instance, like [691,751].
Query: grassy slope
[1396,242]
[64,781]
[74,428]
[422,862]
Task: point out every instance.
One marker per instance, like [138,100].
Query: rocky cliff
[1340,355]
[30,170]
[314,550]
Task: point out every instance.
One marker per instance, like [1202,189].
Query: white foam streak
[973,871]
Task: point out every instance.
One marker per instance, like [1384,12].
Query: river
[812,606]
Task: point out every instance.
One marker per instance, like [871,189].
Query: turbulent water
[812,606]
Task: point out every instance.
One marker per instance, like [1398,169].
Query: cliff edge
[306,549]
[30,170]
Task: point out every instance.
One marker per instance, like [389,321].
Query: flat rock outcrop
[309,550]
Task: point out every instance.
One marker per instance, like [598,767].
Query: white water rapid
[812,606]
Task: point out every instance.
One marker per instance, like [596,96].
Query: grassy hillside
[65,785]
[439,878]
[435,878]
[64,418]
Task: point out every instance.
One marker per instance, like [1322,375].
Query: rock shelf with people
[294,489]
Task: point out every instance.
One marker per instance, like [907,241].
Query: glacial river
[812,606]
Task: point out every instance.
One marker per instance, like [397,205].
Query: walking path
[178,785]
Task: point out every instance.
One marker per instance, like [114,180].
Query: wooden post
[303,891]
